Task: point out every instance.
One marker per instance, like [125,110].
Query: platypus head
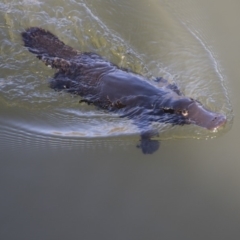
[193,112]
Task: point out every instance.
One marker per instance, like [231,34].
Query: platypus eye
[184,112]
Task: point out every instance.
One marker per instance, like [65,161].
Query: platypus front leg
[148,145]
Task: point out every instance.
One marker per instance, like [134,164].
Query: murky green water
[167,48]
[71,171]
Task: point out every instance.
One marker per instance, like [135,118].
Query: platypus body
[109,87]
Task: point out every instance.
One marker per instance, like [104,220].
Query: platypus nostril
[218,122]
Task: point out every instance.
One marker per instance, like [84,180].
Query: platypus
[107,86]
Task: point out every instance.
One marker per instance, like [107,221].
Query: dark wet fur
[107,86]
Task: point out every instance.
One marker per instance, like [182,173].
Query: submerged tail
[47,47]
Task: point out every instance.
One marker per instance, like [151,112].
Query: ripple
[18,139]
[178,52]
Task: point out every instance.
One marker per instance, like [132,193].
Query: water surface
[167,48]
[71,171]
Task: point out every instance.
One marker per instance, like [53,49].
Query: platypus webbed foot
[148,145]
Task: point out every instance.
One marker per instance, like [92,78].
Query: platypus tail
[48,47]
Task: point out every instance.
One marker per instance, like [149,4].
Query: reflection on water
[172,52]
